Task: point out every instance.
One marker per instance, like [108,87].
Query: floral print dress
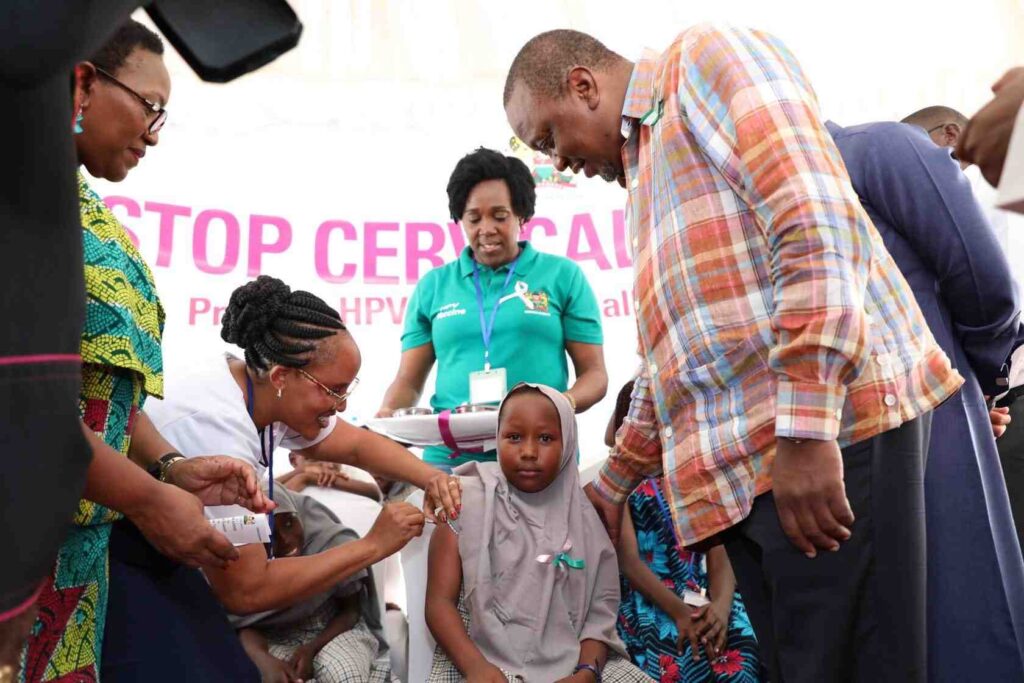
[121,365]
[650,634]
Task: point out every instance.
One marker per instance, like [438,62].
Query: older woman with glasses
[299,368]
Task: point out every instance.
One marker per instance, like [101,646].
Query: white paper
[244,529]
[694,599]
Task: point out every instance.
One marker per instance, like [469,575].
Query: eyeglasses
[338,398]
[154,107]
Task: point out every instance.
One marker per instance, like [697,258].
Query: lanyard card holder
[487,386]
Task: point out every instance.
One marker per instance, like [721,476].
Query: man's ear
[582,84]
[951,134]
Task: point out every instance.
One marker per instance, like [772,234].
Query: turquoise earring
[78,124]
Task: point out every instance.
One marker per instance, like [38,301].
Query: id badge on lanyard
[487,386]
[490,384]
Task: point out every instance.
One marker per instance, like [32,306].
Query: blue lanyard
[268,461]
[486,328]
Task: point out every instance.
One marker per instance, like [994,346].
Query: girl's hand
[688,631]
[301,661]
[712,627]
[485,673]
[274,670]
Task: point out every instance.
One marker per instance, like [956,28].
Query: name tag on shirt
[487,386]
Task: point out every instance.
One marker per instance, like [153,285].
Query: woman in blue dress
[667,636]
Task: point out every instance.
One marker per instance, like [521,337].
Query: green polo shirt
[528,341]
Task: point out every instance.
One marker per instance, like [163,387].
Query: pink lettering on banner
[199,307]
[196,308]
[358,310]
[622,253]
[131,208]
[322,252]
[397,316]
[374,305]
[545,224]
[372,252]
[414,253]
[258,246]
[351,314]
[583,226]
[168,212]
[200,241]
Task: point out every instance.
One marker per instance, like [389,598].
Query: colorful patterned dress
[650,634]
[121,366]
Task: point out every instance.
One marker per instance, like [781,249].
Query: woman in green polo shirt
[503,313]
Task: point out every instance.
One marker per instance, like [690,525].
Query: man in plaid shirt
[788,375]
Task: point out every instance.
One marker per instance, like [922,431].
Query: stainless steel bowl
[479,408]
[415,410]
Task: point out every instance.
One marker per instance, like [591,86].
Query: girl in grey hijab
[531,570]
[333,637]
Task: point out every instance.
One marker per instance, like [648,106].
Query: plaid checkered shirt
[766,302]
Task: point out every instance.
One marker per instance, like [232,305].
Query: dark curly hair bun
[275,325]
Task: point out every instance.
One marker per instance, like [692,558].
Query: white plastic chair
[414,566]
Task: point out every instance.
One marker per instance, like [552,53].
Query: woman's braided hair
[276,326]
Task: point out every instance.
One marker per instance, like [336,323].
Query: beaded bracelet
[588,667]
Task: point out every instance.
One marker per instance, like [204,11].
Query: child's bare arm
[444,581]
[347,617]
[272,669]
[592,653]
[359,487]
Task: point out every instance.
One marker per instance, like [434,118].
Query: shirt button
[634,183]
[890,400]
[882,359]
[668,432]
[654,369]
[636,305]
[636,242]
[869,319]
[839,414]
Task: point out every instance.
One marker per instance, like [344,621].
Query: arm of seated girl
[593,653]
[650,586]
[603,609]
[272,669]
[444,582]
[712,620]
[346,618]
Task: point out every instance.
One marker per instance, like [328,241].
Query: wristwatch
[160,467]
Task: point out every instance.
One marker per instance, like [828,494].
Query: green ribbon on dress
[563,559]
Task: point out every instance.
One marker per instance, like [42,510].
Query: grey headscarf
[322,531]
[529,606]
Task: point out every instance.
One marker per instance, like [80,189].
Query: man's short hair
[938,115]
[544,61]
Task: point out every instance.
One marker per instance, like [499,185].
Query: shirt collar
[640,93]
[527,257]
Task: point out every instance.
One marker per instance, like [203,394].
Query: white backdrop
[328,168]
